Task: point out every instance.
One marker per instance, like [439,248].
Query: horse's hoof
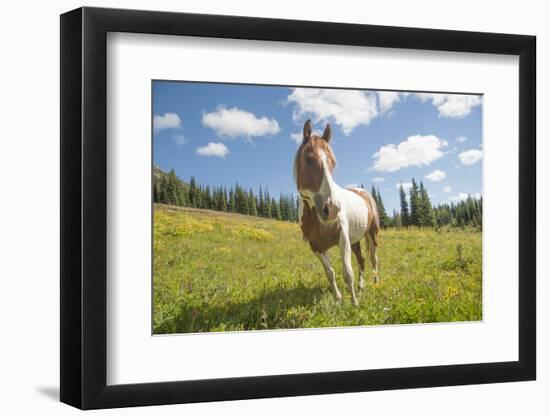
[355,302]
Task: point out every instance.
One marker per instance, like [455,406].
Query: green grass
[217,272]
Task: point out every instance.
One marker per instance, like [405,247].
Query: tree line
[169,189]
[416,209]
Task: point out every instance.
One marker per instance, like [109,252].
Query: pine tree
[231,207]
[283,207]
[261,203]
[183,194]
[405,221]
[225,205]
[427,214]
[275,210]
[155,193]
[207,198]
[384,219]
[193,192]
[267,204]
[171,191]
[163,188]
[252,203]
[373,194]
[414,199]
[244,202]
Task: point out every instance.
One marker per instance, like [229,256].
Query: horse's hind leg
[356,248]
[372,244]
[331,276]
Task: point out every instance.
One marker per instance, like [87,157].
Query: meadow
[216,271]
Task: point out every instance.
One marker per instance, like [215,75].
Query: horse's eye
[309,160]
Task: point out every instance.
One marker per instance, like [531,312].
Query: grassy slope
[216,271]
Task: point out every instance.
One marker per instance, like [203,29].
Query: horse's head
[313,166]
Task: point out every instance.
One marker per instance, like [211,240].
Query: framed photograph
[257,208]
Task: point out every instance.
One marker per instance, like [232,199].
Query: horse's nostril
[325,211]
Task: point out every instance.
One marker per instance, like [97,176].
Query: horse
[330,215]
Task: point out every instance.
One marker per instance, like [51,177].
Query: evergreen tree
[156,194]
[283,207]
[244,201]
[426,212]
[373,194]
[267,204]
[163,190]
[275,210]
[231,207]
[253,209]
[414,203]
[405,221]
[171,190]
[182,194]
[261,204]
[207,198]
[384,219]
[193,192]
[225,204]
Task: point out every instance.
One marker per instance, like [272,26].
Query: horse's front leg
[345,252]
[331,276]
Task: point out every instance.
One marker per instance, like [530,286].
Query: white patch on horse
[354,212]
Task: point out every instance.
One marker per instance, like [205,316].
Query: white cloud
[447,189]
[347,108]
[406,185]
[378,179]
[180,139]
[464,196]
[166,121]
[436,176]
[461,139]
[470,157]
[234,122]
[213,149]
[452,105]
[416,150]
[386,100]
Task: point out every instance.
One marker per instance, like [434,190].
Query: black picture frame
[84,207]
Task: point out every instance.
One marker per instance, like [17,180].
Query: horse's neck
[333,189]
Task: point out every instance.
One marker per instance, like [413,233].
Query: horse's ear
[307,130]
[327,134]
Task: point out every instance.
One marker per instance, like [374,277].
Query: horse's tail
[374,228]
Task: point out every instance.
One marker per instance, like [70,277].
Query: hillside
[223,271]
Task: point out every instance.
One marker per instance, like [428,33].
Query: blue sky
[228,133]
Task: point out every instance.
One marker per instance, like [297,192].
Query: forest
[416,209]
